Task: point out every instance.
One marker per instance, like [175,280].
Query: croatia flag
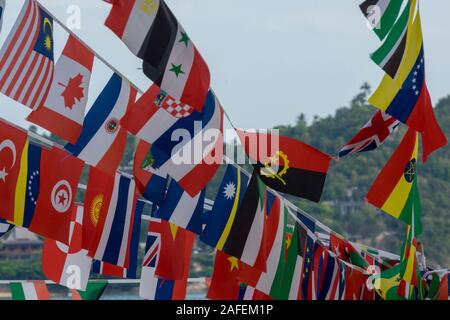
[63,111]
[102,141]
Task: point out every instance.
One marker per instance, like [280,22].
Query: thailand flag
[102,141]
[116,227]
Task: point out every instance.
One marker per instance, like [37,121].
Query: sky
[269,60]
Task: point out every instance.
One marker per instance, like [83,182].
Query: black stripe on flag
[243,221]
[393,64]
[158,44]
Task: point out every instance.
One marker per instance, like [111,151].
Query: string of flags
[260,253]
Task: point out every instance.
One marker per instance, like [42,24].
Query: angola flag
[287,165]
[395,191]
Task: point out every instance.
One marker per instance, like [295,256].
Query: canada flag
[63,111]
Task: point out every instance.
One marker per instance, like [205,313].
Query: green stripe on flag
[17,291]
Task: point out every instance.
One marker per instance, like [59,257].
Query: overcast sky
[269,60]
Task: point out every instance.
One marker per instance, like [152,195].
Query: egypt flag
[29,290]
[118,225]
[63,111]
[381,15]
[372,135]
[68,265]
[59,176]
[191,159]
[395,191]
[26,63]
[171,61]
[287,165]
[12,144]
[102,141]
[406,97]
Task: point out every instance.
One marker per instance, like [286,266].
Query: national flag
[12,144]
[395,191]
[63,111]
[118,226]
[307,289]
[151,32]
[26,63]
[355,285]
[224,281]
[382,14]
[68,265]
[287,165]
[150,182]
[406,97]
[182,210]
[250,293]
[344,250]
[372,135]
[29,290]
[2,10]
[102,141]
[28,186]
[59,176]
[387,282]
[94,291]
[444,288]
[5,227]
[193,159]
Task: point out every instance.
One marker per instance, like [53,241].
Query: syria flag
[59,177]
[69,265]
[151,31]
[12,142]
[63,111]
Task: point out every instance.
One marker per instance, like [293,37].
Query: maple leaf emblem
[73,91]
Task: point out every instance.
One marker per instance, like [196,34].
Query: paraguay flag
[102,141]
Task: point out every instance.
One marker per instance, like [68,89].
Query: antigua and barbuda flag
[63,111]
[102,141]
[395,190]
[381,14]
[372,135]
[171,61]
[191,160]
[406,97]
[26,58]
[68,265]
[60,173]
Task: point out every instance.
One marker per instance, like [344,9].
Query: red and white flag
[26,58]
[69,265]
[60,174]
[63,111]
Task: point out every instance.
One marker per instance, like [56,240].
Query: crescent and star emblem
[49,23]
[8,145]
[61,196]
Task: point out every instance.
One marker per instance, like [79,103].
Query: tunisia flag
[63,111]
[12,142]
[60,174]
[69,265]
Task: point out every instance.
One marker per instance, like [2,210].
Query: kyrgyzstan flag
[69,265]
[12,142]
[60,174]
[63,111]
[287,165]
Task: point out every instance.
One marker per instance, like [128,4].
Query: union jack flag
[152,245]
[27,62]
[372,135]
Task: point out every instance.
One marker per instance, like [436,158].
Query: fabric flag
[150,182]
[287,165]
[26,64]
[345,251]
[372,135]
[29,290]
[28,186]
[118,226]
[69,265]
[180,209]
[2,10]
[226,204]
[406,97]
[191,159]
[102,141]
[59,176]
[94,291]
[382,14]
[395,191]
[63,111]
[151,32]
[250,293]
[12,144]
[307,290]
[5,227]
[224,281]
[387,282]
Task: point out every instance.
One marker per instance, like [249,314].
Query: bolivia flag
[395,190]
